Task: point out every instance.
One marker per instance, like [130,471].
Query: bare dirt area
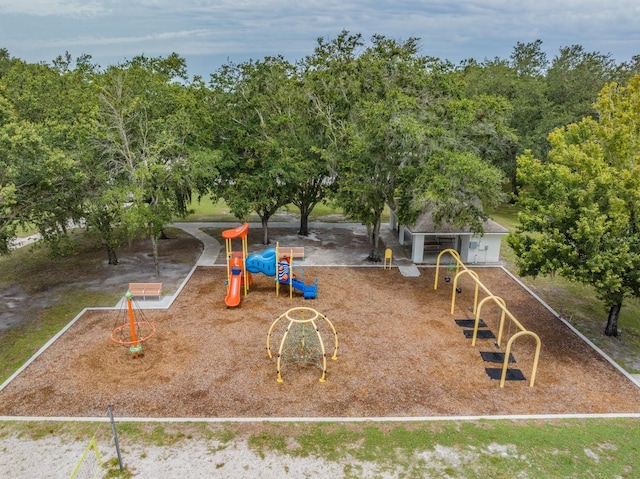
[401,353]
[22,303]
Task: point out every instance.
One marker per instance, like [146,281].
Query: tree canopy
[362,124]
[142,133]
[255,132]
[580,205]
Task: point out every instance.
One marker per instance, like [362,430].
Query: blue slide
[309,291]
[265,263]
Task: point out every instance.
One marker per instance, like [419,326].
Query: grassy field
[206,210]
[500,449]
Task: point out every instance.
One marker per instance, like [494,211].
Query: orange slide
[235,286]
[235,265]
[236,281]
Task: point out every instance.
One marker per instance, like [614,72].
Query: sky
[209,34]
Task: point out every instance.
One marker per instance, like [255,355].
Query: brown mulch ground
[401,353]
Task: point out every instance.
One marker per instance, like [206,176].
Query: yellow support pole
[245,254]
[227,246]
[291,274]
[503,307]
[455,255]
[474,275]
[277,272]
[536,357]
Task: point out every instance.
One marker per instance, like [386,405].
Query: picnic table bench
[146,289]
[293,251]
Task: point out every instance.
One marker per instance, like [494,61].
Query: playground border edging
[340,419]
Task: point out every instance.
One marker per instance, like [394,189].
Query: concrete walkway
[400,258]
[210,252]
[211,245]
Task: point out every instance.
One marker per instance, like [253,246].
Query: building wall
[473,249]
[481,249]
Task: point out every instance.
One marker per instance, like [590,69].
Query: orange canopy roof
[238,232]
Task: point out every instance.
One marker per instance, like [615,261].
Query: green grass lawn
[206,210]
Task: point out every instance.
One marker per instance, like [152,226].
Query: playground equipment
[286,275]
[238,277]
[522,331]
[388,258]
[271,262]
[241,266]
[132,332]
[301,339]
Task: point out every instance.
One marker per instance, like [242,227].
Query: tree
[519,80]
[406,129]
[572,84]
[543,95]
[328,87]
[375,136]
[48,104]
[530,104]
[254,131]
[142,137]
[579,217]
[9,214]
[308,141]
[625,71]
[482,126]
[6,62]
[35,182]
[528,59]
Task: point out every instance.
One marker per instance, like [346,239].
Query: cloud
[128,40]
[63,8]
[243,29]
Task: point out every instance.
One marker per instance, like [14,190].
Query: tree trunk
[304,221]
[265,229]
[515,190]
[111,253]
[612,322]
[102,222]
[156,260]
[374,256]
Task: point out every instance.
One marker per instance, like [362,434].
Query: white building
[426,242]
